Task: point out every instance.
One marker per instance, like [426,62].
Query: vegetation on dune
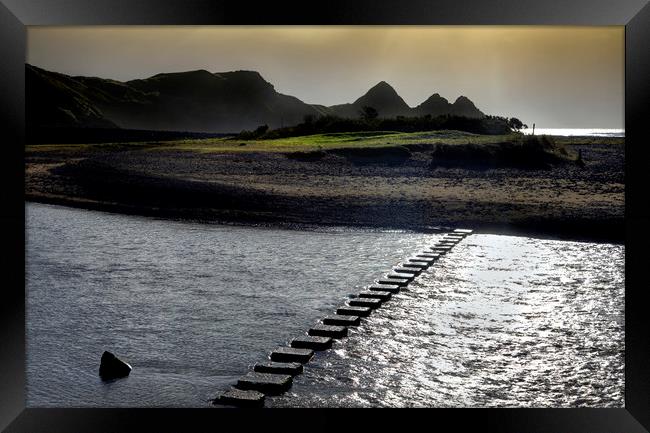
[522,151]
[335,140]
[445,148]
[369,121]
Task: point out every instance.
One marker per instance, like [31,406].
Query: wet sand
[337,188]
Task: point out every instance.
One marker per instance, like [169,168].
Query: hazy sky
[553,76]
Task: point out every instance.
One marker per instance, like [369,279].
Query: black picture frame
[16,14]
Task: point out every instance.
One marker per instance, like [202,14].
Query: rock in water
[112,367]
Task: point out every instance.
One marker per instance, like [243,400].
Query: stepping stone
[271,384]
[422,262]
[404,270]
[441,250]
[378,294]
[428,255]
[464,231]
[342,320]
[391,288]
[417,260]
[311,342]
[333,331]
[349,310]
[241,398]
[447,242]
[290,368]
[386,281]
[403,275]
[291,354]
[415,265]
[366,302]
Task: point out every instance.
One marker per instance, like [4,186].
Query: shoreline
[386,188]
[550,232]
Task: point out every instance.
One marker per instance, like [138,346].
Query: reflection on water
[500,321]
[585,132]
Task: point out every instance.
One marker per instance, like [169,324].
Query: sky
[554,76]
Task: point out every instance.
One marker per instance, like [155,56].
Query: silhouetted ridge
[464,107]
[199,101]
[385,100]
[435,105]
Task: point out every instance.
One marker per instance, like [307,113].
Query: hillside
[186,101]
[198,101]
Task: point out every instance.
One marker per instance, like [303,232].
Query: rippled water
[500,321]
[189,306]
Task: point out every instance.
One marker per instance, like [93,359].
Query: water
[500,321]
[189,306]
[585,132]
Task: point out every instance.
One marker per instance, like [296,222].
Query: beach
[383,187]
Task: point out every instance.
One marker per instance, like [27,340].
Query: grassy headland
[496,183]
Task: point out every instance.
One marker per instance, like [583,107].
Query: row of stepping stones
[275,376]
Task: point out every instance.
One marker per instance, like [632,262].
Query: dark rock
[111,367]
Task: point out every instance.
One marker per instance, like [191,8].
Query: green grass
[368,139]
[332,141]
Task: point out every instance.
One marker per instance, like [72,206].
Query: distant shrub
[251,135]
[493,125]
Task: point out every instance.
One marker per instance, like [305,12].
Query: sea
[580,132]
[500,321]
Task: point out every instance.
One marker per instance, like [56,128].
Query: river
[500,321]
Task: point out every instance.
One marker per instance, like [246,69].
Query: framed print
[433,205]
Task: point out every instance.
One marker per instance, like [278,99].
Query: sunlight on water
[588,132]
[500,321]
